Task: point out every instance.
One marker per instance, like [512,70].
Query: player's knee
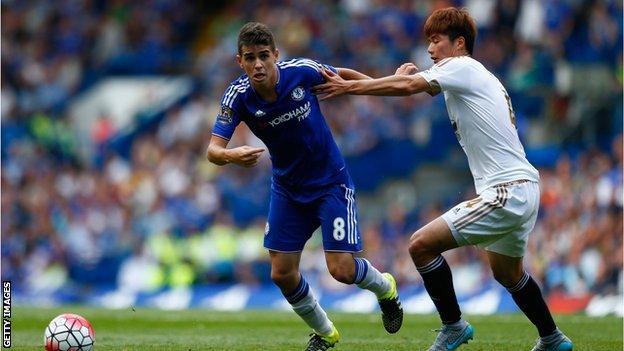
[284,278]
[506,278]
[342,274]
[417,247]
[420,251]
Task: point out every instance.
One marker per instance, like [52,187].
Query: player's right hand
[406,69]
[245,156]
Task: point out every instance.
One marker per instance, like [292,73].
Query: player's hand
[334,85]
[406,69]
[245,156]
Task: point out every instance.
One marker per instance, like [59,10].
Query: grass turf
[148,329]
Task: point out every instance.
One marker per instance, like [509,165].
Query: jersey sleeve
[312,70]
[227,118]
[452,74]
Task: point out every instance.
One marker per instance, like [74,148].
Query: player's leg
[476,222]
[347,269]
[359,271]
[285,274]
[341,238]
[516,219]
[425,248]
[289,227]
[509,272]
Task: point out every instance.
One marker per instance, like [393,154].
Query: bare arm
[396,85]
[218,154]
[351,74]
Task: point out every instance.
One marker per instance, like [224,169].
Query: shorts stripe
[486,209]
[349,215]
[477,216]
[476,209]
[353,217]
[483,210]
[505,197]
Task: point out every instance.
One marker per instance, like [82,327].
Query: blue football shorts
[291,223]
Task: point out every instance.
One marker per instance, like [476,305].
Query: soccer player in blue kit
[310,187]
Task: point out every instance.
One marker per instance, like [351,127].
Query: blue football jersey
[302,149]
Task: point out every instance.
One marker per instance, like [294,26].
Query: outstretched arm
[351,74]
[245,156]
[396,85]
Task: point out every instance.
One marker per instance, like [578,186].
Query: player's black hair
[453,22]
[255,33]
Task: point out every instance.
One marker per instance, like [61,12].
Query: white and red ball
[69,332]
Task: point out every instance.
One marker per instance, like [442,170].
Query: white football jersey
[483,119]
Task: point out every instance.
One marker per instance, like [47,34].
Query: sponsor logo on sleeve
[225,115]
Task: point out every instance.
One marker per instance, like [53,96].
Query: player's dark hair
[453,22]
[255,33]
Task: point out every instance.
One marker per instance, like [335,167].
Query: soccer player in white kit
[500,219]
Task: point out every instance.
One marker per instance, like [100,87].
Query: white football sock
[305,305]
[313,314]
[369,278]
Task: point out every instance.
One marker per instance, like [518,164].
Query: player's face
[441,47]
[258,62]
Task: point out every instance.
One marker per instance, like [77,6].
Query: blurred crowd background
[151,212]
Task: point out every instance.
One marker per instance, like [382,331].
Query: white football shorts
[499,220]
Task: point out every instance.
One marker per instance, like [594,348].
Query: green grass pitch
[148,329]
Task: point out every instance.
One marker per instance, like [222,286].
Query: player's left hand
[406,69]
[334,85]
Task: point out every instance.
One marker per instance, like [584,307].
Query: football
[69,332]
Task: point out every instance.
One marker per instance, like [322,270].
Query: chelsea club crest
[298,93]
